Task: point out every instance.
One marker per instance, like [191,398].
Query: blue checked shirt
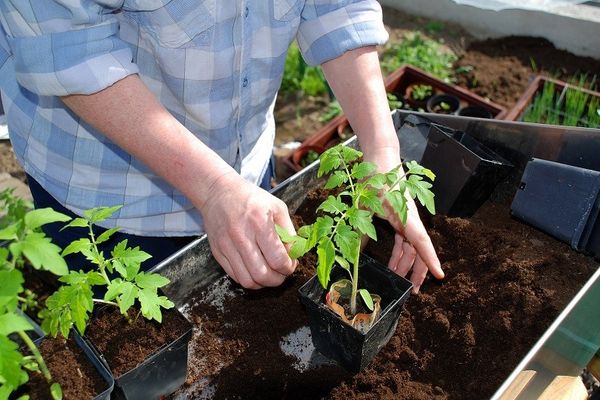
[216,65]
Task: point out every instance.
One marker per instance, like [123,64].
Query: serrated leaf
[326,258]
[298,248]
[118,266]
[11,374]
[43,254]
[70,305]
[362,220]
[420,189]
[322,227]
[333,205]
[77,246]
[9,232]
[344,264]
[283,234]
[348,242]
[11,322]
[336,179]
[370,199]
[104,236]
[349,154]
[42,216]
[150,304]
[305,231]
[99,214]
[11,284]
[363,169]
[129,256]
[377,181]
[76,223]
[148,280]
[366,296]
[113,289]
[129,292]
[329,160]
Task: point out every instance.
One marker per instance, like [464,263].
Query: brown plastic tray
[395,83]
[534,87]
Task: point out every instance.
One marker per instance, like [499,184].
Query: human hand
[239,219]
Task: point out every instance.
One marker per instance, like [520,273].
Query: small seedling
[421,92]
[349,215]
[74,301]
[394,102]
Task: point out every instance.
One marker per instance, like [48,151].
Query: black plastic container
[466,171]
[413,137]
[434,104]
[562,200]
[339,341]
[159,375]
[98,365]
[475,111]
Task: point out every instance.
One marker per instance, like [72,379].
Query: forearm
[355,78]
[131,116]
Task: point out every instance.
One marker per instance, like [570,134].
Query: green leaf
[415,168]
[377,181]
[129,292]
[363,169]
[11,374]
[56,391]
[362,220]
[42,216]
[151,304]
[398,203]
[336,179]
[371,200]
[11,284]
[344,264]
[349,154]
[129,256]
[70,305]
[283,234]
[305,231]
[148,280]
[43,254]
[326,258]
[9,232]
[420,189]
[330,159]
[77,246]
[348,242]
[333,205]
[298,248]
[104,236]
[114,289]
[76,223]
[99,214]
[11,322]
[366,296]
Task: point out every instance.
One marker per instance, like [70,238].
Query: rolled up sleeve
[327,31]
[51,60]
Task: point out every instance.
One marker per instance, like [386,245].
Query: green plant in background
[74,301]
[423,53]
[394,102]
[349,215]
[421,92]
[333,110]
[571,107]
[298,77]
[26,244]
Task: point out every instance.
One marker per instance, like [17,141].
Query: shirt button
[246,12]
[245,82]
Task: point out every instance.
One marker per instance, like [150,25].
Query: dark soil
[126,345]
[458,339]
[69,367]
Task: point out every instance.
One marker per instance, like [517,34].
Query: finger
[396,252]
[255,264]
[239,266]
[222,260]
[408,258]
[426,251]
[273,249]
[418,275]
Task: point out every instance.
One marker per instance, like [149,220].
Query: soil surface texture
[68,366]
[458,339]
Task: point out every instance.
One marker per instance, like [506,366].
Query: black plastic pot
[474,111]
[159,375]
[98,365]
[434,104]
[562,200]
[466,171]
[339,341]
[413,137]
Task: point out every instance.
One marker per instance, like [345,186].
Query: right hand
[239,219]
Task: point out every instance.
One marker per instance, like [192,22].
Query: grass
[571,107]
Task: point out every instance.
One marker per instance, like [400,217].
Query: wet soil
[457,339]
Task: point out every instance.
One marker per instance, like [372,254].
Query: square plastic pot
[561,200]
[159,375]
[466,171]
[339,341]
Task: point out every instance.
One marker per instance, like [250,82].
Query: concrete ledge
[575,28]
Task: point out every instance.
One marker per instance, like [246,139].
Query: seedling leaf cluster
[347,216]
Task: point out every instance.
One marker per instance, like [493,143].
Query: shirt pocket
[174,23]
[287,10]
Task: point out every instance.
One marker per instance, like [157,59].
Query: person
[166,108]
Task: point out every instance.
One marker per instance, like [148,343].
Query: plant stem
[37,355]
[112,303]
[354,287]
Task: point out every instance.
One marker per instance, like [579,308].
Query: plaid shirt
[216,65]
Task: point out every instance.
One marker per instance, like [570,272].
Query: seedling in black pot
[348,216]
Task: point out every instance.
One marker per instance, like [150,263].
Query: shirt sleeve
[65,47]
[330,28]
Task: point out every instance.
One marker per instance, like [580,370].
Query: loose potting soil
[69,367]
[458,339]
